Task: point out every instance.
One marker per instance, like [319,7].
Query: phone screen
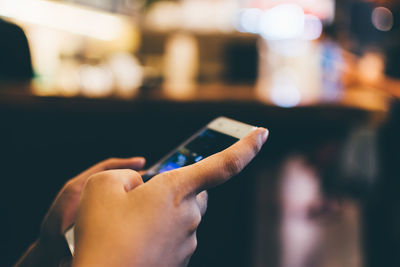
[206,143]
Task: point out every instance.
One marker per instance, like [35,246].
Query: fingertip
[138,162]
[256,139]
[260,133]
[264,134]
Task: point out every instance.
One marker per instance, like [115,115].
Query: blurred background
[84,80]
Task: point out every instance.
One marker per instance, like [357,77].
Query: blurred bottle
[332,62]
[180,66]
[289,72]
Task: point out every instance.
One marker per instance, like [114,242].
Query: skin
[50,248]
[121,221]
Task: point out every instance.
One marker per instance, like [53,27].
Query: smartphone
[217,135]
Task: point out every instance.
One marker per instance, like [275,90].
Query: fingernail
[140,160]
[265,135]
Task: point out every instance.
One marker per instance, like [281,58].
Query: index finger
[221,166]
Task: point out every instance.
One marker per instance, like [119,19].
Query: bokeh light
[282,22]
[312,28]
[284,91]
[249,20]
[382,19]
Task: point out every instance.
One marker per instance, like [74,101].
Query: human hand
[63,209]
[123,222]
[50,249]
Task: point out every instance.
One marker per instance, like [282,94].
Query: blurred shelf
[213,95]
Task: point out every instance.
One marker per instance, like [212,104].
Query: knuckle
[135,175]
[232,165]
[131,172]
[193,244]
[98,178]
[173,187]
[194,220]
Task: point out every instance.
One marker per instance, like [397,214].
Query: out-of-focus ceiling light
[284,91]
[282,22]
[128,74]
[200,16]
[66,17]
[96,81]
[249,20]
[312,28]
[382,19]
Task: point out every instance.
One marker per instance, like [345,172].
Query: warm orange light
[67,17]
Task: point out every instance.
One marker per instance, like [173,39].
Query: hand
[62,213]
[123,222]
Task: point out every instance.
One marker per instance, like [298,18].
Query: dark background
[46,141]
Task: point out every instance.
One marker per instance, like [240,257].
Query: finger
[219,167]
[135,163]
[202,200]
[143,172]
[115,180]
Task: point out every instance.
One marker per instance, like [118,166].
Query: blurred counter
[360,98]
